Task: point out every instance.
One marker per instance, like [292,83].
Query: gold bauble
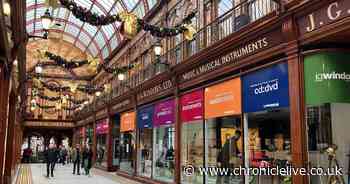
[129,27]
[73,87]
[41,55]
[37,83]
[190,32]
[107,88]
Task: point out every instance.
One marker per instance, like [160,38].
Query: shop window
[116,140]
[101,143]
[145,153]
[127,142]
[269,143]
[326,76]
[192,137]
[164,153]
[164,141]
[224,146]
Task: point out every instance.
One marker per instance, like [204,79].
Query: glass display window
[127,142]
[116,139]
[164,141]
[327,75]
[267,121]
[145,151]
[101,143]
[192,137]
[223,129]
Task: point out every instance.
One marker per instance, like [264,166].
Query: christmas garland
[131,25]
[64,63]
[77,102]
[49,98]
[117,70]
[46,106]
[83,88]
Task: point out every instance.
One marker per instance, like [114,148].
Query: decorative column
[4,93]
[296,98]
[177,134]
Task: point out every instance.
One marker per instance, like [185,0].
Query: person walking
[50,156]
[87,160]
[63,154]
[76,156]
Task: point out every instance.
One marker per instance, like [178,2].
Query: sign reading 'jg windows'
[327,78]
[266,89]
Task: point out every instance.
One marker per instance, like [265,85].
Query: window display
[101,142]
[127,142]
[145,153]
[192,139]
[223,129]
[116,140]
[327,86]
[266,108]
[164,141]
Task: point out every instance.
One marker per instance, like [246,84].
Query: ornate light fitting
[121,76]
[46,20]
[38,69]
[7,9]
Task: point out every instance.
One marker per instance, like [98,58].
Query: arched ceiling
[96,41]
[59,47]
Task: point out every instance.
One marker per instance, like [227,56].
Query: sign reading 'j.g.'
[265,89]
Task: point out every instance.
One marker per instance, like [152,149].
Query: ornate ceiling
[58,47]
[97,41]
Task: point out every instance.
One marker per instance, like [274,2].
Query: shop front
[102,127]
[127,142]
[82,135]
[115,136]
[267,126]
[89,135]
[223,129]
[164,141]
[327,103]
[145,132]
[192,138]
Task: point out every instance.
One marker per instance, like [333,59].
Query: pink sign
[164,113]
[192,106]
[102,127]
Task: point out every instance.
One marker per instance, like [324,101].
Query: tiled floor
[63,175]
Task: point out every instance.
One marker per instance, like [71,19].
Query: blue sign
[116,120]
[145,117]
[266,89]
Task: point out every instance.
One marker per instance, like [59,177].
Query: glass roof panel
[151,3]
[105,53]
[117,8]
[90,29]
[80,45]
[100,39]
[75,20]
[30,28]
[130,4]
[84,3]
[140,10]
[93,50]
[108,30]
[84,38]
[72,30]
[114,42]
[105,38]
[97,10]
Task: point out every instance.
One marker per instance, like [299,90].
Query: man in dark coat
[87,160]
[76,157]
[227,154]
[51,156]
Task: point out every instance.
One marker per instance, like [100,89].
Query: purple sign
[164,113]
[102,127]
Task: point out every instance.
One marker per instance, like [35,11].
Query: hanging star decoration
[189,32]
[73,87]
[107,88]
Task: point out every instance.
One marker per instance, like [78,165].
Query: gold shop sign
[48,124]
[102,113]
[324,16]
[233,57]
[155,89]
[121,105]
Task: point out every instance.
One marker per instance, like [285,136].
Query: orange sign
[223,99]
[127,121]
